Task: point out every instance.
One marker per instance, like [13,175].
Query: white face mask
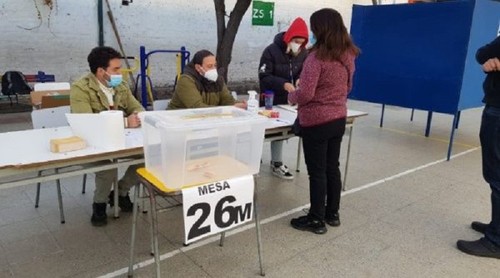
[295,47]
[211,75]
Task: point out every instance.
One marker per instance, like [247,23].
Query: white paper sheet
[102,131]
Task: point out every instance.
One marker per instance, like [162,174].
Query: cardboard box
[67,144]
[36,96]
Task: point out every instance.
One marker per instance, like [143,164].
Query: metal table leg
[299,147]
[154,223]
[347,158]
[132,240]
[257,229]
[59,199]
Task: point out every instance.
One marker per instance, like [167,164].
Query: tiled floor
[401,215]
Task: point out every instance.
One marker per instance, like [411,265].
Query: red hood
[298,28]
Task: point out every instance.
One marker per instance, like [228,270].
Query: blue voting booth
[422,56]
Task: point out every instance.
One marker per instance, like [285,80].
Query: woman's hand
[289,87]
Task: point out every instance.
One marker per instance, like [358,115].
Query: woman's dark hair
[200,55]
[100,56]
[332,38]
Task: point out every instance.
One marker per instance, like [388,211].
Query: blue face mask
[115,80]
[312,39]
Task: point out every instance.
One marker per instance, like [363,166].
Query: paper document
[102,131]
[288,107]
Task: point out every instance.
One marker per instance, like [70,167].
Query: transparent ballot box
[196,146]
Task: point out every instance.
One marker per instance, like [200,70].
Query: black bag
[13,84]
[296,128]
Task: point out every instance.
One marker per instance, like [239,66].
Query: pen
[283,121]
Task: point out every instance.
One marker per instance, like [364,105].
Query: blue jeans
[490,148]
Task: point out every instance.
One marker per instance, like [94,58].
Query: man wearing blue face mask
[103,89]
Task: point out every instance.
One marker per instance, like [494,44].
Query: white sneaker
[282,172]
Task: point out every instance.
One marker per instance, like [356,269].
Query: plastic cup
[268,99]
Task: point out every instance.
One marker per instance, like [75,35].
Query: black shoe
[306,223]
[482,247]
[99,216]
[123,202]
[333,220]
[479,227]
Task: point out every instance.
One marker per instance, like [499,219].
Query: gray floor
[403,211]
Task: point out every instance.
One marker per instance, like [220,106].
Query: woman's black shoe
[333,220]
[306,223]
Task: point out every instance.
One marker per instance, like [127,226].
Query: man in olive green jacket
[201,86]
[103,89]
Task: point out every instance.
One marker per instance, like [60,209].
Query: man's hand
[289,87]
[492,65]
[242,105]
[133,120]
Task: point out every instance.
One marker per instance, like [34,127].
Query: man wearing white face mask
[201,86]
[279,70]
[103,89]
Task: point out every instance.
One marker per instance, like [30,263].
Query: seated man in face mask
[201,86]
[100,90]
[279,71]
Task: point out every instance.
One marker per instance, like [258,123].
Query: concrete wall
[67,33]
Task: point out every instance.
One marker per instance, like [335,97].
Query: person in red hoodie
[325,81]
[279,70]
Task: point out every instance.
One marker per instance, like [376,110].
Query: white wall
[62,46]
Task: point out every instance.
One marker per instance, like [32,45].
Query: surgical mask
[211,75]
[114,80]
[295,47]
[312,39]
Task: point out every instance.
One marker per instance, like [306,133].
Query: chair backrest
[52,86]
[160,104]
[14,82]
[50,117]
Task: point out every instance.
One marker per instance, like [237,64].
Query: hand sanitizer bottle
[252,103]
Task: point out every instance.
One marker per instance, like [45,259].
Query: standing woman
[325,81]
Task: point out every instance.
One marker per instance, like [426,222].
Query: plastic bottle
[252,103]
[235,95]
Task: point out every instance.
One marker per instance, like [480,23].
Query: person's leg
[315,157]
[128,180]
[279,169]
[334,181]
[276,152]
[490,147]
[103,183]
[492,233]
[489,245]
[315,148]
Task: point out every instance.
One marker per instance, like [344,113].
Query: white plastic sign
[216,207]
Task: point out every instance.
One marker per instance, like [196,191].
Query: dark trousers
[490,148]
[321,151]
